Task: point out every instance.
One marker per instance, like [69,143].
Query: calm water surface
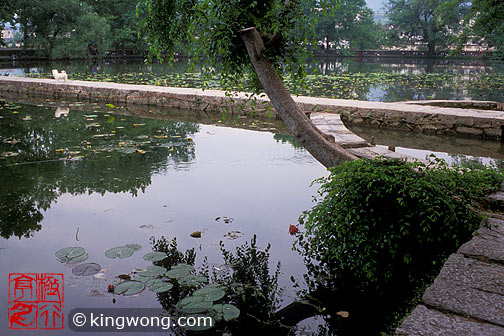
[372,79]
[98,177]
[65,184]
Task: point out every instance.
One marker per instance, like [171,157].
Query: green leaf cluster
[208,32]
[380,221]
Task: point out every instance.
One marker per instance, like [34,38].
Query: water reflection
[46,152]
[374,79]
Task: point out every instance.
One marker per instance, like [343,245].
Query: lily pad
[70,252]
[193,305]
[210,293]
[158,286]
[86,269]
[192,280]
[179,271]
[135,247]
[155,256]
[227,312]
[156,270]
[120,252]
[78,259]
[129,287]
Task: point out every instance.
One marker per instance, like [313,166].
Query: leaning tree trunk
[320,145]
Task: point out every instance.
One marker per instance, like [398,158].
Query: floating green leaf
[155,256]
[86,269]
[129,287]
[179,271]
[192,280]
[135,247]
[210,293]
[110,105]
[70,252]
[158,286]
[227,312]
[156,270]
[193,304]
[78,259]
[120,252]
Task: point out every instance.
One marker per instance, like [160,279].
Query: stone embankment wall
[476,119]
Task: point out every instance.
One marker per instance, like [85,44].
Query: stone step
[488,242]
[332,124]
[469,287]
[497,200]
[424,321]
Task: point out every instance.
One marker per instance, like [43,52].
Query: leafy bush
[381,222]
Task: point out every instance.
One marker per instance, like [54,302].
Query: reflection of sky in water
[376,93]
[246,175]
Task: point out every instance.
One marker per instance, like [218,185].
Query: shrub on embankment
[381,229]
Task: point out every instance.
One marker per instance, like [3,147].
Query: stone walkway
[479,119]
[332,124]
[467,297]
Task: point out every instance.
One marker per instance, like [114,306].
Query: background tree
[425,22]
[352,26]
[248,45]
[123,21]
[488,18]
[61,28]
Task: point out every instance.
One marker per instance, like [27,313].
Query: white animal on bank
[59,75]
[61,112]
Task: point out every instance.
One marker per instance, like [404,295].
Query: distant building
[7,34]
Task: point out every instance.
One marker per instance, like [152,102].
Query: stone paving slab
[332,124]
[424,321]
[425,118]
[469,288]
[488,243]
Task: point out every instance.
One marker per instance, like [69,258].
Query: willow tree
[248,45]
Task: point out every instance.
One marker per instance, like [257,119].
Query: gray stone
[469,288]
[488,242]
[424,321]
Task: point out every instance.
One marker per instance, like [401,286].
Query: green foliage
[425,22]
[62,28]
[123,21]
[489,23]
[352,26]
[380,222]
[208,31]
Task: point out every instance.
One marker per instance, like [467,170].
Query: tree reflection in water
[43,157]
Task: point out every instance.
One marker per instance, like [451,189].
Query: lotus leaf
[193,304]
[78,259]
[158,286]
[120,252]
[227,312]
[155,256]
[156,270]
[135,247]
[210,294]
[192,280]
[86,269]
[70,252]
[129,287]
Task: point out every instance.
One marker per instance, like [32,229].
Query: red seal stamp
[36,300]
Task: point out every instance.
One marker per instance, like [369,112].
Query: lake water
[97,177]
[64,184]
[373,79]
